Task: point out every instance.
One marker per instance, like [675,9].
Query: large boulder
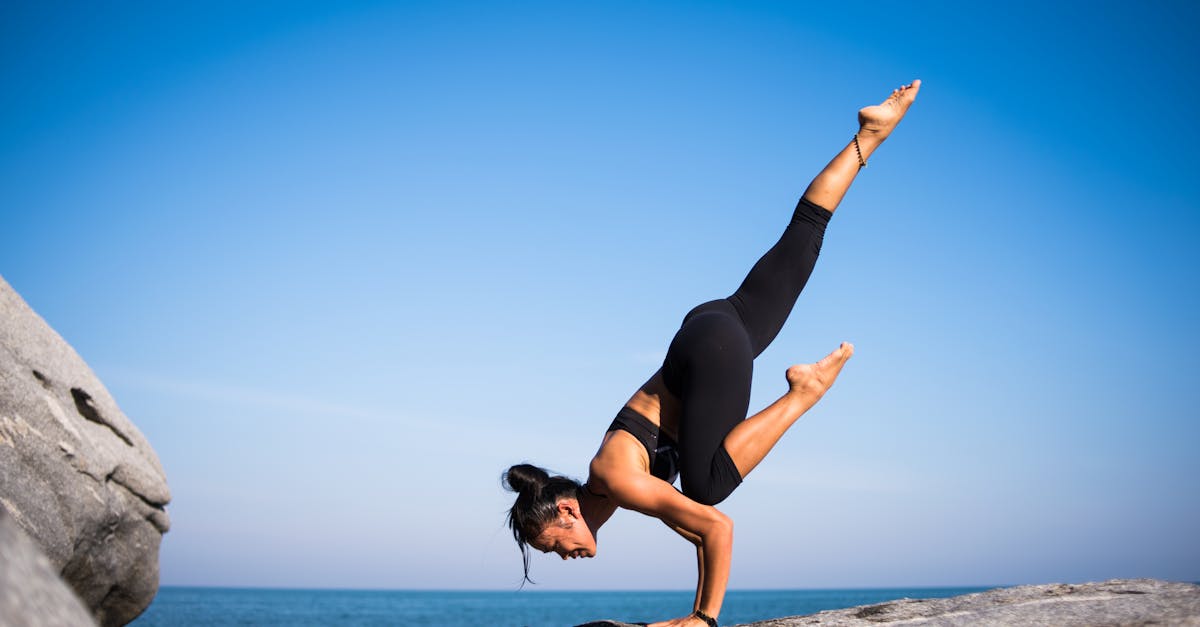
[1124,602]
[75,473]
[31,592]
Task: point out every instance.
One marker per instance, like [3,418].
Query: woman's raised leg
[751,439]
[875,124]
[765,298]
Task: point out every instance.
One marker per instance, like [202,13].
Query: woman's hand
[691,620]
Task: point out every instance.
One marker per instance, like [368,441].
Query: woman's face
[568,536]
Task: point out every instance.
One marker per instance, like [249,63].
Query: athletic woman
[689,419]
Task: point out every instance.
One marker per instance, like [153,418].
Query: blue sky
[344,263]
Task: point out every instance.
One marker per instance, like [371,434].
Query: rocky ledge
[76,475]
[1126,602]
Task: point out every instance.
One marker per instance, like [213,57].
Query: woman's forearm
[703,525]
[715,554]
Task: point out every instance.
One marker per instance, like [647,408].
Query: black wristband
[712,622]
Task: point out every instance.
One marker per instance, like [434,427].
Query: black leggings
[711,359]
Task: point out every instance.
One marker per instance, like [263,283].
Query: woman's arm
[703,525]
[694,539]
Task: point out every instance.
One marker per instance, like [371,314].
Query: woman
[689,419]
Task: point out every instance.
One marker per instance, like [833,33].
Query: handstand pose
[689,419]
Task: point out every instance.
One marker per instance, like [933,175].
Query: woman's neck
[596,508]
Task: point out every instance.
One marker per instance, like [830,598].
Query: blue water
[178,606]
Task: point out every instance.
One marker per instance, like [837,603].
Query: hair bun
[523,478]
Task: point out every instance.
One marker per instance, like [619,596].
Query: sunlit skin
[619,474]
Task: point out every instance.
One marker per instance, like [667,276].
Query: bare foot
[880,119]
[816,379]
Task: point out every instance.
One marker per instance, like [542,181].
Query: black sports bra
[662,449]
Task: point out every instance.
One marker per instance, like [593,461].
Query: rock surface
[31,592]
[75,473]
[1125,602]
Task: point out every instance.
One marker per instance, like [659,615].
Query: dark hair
[538,495]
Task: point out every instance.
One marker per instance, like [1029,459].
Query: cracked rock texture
[75,473]
[31,592]
[1125,602]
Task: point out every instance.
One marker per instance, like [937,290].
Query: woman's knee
[708,495]
[718,483]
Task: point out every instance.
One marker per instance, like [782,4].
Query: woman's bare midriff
[659,406]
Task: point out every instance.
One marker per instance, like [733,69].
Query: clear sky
[343,263]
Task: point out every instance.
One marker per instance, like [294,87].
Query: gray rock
[75,473]
[31,592]
[1125,602]
[1116,602]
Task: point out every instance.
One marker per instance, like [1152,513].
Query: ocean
[211,607]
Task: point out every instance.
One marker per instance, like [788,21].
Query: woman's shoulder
[620,455]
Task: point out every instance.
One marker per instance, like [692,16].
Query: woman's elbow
[720,525]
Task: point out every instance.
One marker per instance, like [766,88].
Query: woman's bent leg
[709,367]
[751,439]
